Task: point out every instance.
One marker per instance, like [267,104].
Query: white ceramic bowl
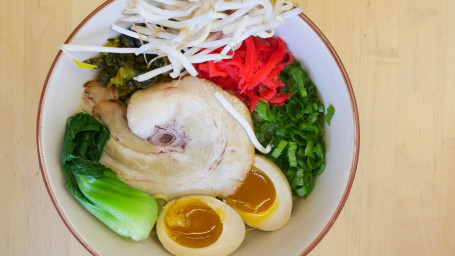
[311,218]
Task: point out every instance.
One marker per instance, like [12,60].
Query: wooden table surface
[400,55]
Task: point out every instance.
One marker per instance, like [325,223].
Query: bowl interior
[311,218]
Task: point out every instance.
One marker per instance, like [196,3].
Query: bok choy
[127,211]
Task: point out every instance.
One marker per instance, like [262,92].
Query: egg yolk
[256,194]
[193,224]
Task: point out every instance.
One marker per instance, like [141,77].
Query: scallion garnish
[281,146]
[292,157]
[298,127]
[263,110]
[330,112]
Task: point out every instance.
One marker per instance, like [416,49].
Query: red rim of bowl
[354,113]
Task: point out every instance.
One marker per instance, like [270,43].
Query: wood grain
[400,55]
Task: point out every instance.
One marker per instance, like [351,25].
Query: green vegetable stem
[127,211]
[295,130]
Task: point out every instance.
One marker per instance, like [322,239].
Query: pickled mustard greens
[118,69]
[127,211]
[295,130]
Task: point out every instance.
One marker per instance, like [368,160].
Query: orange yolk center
[255,195]
[193,224]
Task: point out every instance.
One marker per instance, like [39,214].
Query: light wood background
[400,55]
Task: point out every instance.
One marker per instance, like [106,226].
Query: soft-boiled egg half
[199,225]
[264,200]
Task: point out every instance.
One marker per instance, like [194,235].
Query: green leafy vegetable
[127,211]
[118,69]
[298,127]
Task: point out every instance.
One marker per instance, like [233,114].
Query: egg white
[230,239]
[279,213]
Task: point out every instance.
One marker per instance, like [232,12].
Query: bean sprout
[248,128]
[195,27]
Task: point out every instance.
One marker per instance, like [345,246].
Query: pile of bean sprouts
[187,32]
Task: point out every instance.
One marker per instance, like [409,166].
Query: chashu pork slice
[94,92]
[176,139]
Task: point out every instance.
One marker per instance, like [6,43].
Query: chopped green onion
[321,108]
[299,177]
[308,109]
[310,127]
[313,117]
[300,123]
[295,109]
[302,136]
[320,170]
[282,130]
[315,159]
[301,191]
[330,112]
[309,147]
[281,146]
[300,158]
[281,113]
[292,157]
[290,174]
[263,110]
[297,74]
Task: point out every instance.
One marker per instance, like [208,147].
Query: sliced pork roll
[176,139]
